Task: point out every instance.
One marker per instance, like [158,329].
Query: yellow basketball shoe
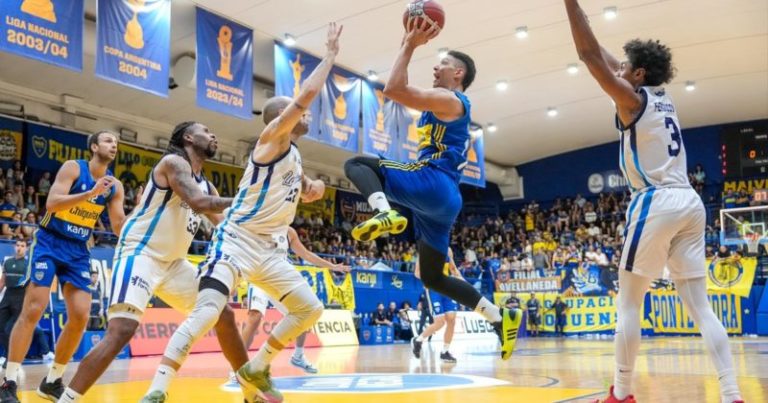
[507,330]
[386,222]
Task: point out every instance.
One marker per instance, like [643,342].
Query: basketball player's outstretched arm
[215,218]
[278,130]
[301,251]
[602,68]
[178,174]
[452,266]
[437,100]
[58,196]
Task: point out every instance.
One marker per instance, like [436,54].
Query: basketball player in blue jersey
[666,218]
[81,191]
[443,309]
[429,186]
[252,241]
[151,255]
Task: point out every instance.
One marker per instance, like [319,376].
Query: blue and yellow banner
[133,44]
[133,164]
[340,109]
[733,274]
[224,65]
[225,178]
[667,314]
[292,67]
[45,30]
[474,171]
[335,114]
[382,122]
[48,148]
[409,142]
[324,207]
[10,142]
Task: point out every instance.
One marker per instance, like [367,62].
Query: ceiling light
[442,53]
[372,76]
[502,85]
[289,40]
[690,86]
[573,69]
[492,128]
[610,13]
[551,112]
[521,32]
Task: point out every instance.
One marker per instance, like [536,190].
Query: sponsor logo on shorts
[141,283]
[95,338]
[41,265]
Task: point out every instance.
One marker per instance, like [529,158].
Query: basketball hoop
[753,241]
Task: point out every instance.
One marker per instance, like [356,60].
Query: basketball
[419,9]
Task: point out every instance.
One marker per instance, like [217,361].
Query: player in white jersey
[151,254]
[252,242]
[258,301]
[666,218]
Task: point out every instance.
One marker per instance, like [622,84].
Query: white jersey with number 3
[652,152]
[267,195]
[162,226]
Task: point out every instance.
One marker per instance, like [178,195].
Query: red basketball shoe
[612,399]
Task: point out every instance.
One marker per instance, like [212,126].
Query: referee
[14,276]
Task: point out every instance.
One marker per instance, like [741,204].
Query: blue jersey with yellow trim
[78,221]
[445,144]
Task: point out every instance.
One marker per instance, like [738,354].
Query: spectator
[97,320]
[723,252]
[12,229]
[503,281]
[44,184]
[7,209]
[534,315]
[541,260]
[404,330]
[29,226]
[561,310]
[17,197]
[392,312]
[380,316]
[30,200]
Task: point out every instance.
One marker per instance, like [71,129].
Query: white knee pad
[304,309]
[203,317]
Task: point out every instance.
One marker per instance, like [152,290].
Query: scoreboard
[744,149]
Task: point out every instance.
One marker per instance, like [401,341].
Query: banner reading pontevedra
[10,142]
[44,30]
[48,148]
[133,45]
[474,171]
[292,67]
[224,65]
[385,122]
[335,114]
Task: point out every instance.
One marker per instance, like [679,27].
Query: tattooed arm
[178,175]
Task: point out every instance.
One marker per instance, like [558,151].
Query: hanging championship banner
[340,109]
[44,30]
[409,144]
[48,148]
[381,122]
[474,171]
[133,43]
[10,142]
[224,65]
[133,164]
[292,67]
[225,178]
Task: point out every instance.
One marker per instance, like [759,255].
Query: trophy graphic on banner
[380,113]
[297,68]
[40,9]
[225,51]
[134,34]
[471,153]
[342,84]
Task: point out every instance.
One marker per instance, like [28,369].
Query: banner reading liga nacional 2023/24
[224,65]
[45,30]
[133,45]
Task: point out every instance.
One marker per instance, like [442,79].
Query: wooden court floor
[542,370]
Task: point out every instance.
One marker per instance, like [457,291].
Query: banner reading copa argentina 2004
[44,30]
[224,65]
[133,43]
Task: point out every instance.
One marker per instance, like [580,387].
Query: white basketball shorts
[665,227]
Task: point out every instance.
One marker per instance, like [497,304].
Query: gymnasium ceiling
[721,45]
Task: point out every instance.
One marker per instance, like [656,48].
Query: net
[753,242]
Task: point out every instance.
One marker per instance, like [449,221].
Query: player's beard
[210,151]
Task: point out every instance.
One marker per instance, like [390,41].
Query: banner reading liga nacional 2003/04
[224,65]
[133,45]
[45,30]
